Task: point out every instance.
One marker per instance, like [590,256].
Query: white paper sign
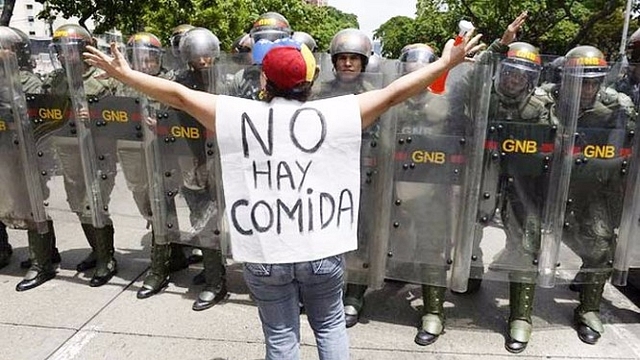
[291,177]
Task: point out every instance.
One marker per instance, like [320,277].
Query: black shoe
[351,315]
[151,286]
[514,346]
[88,263]
[209,297]
[35,278]
[587,334]
[424,338]
[99,280]
[55,259]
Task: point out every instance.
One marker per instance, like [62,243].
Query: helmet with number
[270,26]
[70,39]
[304,38]
[519,72]
[199,48]
[351,41]
[176,34]
[589,64]
[414,56]
[17,41]
[633,47]
[144,51]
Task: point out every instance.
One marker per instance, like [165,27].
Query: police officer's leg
[158,275]
[55,255]
[521,294]
[215,288]
[587,314]
[5,248]
[41,270]
[353,303]
[433,315]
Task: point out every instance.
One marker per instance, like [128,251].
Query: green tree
[555,26]
[228,19]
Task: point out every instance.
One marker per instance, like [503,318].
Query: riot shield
[477,97]
[88,186]
[429,165]
[22,200]
[181,157]
[602,151]
[366,266]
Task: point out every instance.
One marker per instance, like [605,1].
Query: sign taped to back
[291,177]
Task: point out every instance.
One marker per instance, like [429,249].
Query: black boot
[587,314]
[106,265]
[353,303]
[41,270]
[215,289]
[158,275]
[55,255]
[5,248]
[433,318]
[521,306]
[90,261]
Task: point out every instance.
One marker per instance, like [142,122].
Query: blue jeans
[277,289]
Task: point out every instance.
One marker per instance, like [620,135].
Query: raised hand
[510,33]
[455,54]
[115,66]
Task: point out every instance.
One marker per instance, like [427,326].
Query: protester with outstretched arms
[287,262]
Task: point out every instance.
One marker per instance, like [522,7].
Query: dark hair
[299,93]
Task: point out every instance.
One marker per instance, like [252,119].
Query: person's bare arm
[374,103]
[199,104]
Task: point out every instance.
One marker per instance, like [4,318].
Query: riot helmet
[23,50]
[69,40]
[518,74]
[375,63]
[553,71]
[304,38]
[199,48]
[415,56]
[176,34]
[144,51]
[350,50]
[589,64]
[270,26]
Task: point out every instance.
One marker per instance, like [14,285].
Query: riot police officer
[269,26]
[521,111]
[350,50]
[425,204]
[605,118]
[199,49]
[14,210]
[100,239]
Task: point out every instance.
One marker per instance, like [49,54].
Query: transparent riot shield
[22,200]
[182,157]
[87,181]
[432,148]
[366,266]
[627,254]
[602,157]
[477,97]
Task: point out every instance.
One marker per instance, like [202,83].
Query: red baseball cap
[289,66]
